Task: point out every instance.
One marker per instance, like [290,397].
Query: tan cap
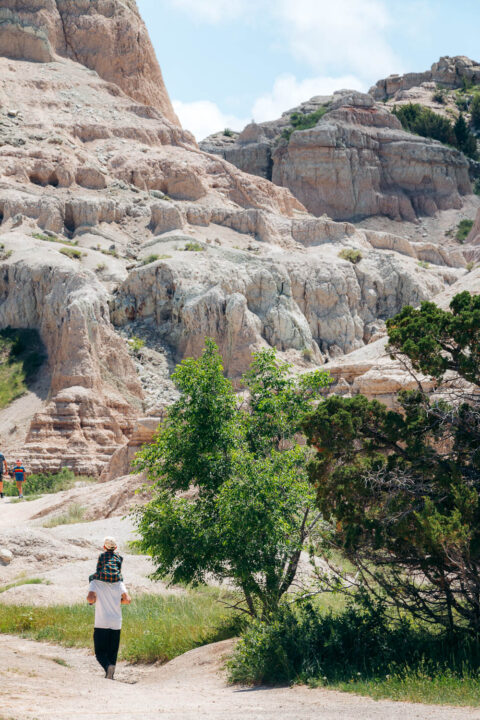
[109,543]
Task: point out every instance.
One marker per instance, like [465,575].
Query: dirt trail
[34,685]
[45,681]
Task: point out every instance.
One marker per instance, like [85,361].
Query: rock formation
[372,372]
[116,230]
[94,389]
[104,35]
[355,163]
[448,72]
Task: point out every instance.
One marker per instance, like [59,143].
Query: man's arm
[91,598]
[126,599]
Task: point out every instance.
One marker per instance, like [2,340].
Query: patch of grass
[476,186]
[353,256]
[423,264]
[193,247]
[100,267]
[54,239]
[150,259]
[74,513]
[21,355]
[42,484]
[112,253]
[228,133]
[464,227]
[26,581]
[60,661]
[420,686]
[5,254]
[71,253]
[155,628]
[469,266]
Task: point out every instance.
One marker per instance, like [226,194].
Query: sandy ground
[34,685]
[64,556]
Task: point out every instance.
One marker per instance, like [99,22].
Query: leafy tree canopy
[232,498]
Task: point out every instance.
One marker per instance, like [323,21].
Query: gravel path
[33,685]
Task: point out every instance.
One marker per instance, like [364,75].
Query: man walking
[108,598]
[3,466]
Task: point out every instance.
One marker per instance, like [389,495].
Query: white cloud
[203,118]
[345,35]
[215,11]
[288,92]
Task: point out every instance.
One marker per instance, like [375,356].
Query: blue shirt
[19,473]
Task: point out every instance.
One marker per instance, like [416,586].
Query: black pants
[106,644]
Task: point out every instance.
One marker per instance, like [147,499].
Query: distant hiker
[108,597]
[19,475]
[3,466]
[109,563]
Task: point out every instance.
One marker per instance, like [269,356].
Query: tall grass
[155,628]
[75,513]
[26,581]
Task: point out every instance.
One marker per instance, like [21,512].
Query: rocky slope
[114,226]
[357,161]
[104,35]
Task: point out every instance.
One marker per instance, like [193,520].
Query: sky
[226,62]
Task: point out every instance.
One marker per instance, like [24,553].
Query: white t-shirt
[108,608]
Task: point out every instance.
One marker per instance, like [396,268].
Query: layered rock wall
[358,162]
[355,163]
[94,395]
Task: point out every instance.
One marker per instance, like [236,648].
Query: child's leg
[1,487]
[19,488]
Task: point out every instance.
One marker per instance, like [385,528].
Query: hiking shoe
[110,672]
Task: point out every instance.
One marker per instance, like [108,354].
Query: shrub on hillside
[425,122]
[475,111]
[353,256]
[303,644]
[303,121]
[463,230]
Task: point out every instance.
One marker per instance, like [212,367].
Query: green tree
[465,141]
[245,510]
[401,488]
[475,111]
[425,122]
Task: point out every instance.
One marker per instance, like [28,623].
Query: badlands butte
[116,225]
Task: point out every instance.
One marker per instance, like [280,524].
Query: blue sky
[228,61]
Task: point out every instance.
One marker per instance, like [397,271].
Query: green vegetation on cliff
[427,123]
[303,121]
[21,355]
